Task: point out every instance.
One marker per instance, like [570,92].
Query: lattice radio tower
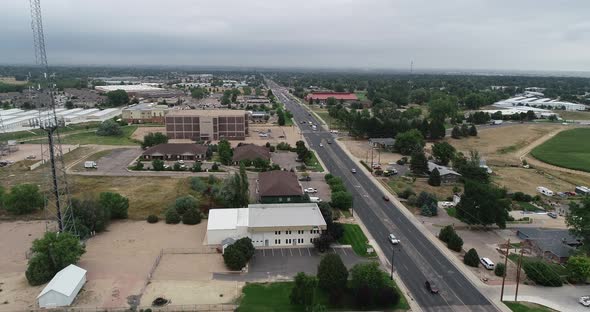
[58,203]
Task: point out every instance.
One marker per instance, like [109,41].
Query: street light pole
[392,253]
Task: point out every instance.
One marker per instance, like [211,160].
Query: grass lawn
[354,236]
[313,164]
[570,115]
[331,122]
[361,95]
[528,207]
[568,149]
[92,138]
[452,212]
[32,134]
[275,297]
[527,307]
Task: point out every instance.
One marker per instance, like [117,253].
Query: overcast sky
[384,34]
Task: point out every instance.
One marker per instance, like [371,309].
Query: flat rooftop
[207,112]
[128,88]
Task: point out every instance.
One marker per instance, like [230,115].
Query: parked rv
[545,191]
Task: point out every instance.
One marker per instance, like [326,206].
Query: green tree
[191,216]
[246,247]
[437,129]
[407,142]
[109,128]
[234,258]
[332,274]
[419,96]
[247,90]
[419,163]
[483,204]
[500,269]
[455,243]
[303,292]
[138,165]
[2,197]
[302,152]
[172,216]
[225,152]
[281,117]
[331,101]
[116,204]
[117,98]
[341,200]
[199,93]
[456,133]
[158,165]
[185,203]
[50,254]
[196,167]
[443,152]
[235,190]
[23,199]
[472,130]
[471,258]
[90,215]
[434,178]
[578,221]
[366,280]
[464,130]
[152,139]
[446,233]
[578,268]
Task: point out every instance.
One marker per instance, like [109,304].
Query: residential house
[250,152]
[447,175]
[553,245]
[278,186]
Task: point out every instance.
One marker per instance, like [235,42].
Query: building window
[277,232]
[314,231]
[288,241]
[311,240]
[277,241]
[300,240]
[288,232]
[300,232]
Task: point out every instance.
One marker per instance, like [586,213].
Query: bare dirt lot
[16,241]
[143,131]
[119,260]
[361,150]
[33,151]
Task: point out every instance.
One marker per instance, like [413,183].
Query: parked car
[329,141]
[393,239]
[310,190]
[487,263]
[353,170]
[431,287]
[585,301]
[307,178]
[385,198]
[552,215]
[321,145]
[315,199]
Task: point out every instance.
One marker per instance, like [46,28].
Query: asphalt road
[416,259]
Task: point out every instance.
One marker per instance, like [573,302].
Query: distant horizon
[356,70]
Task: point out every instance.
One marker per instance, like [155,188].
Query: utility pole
[518,274]
[392,253]
[505,269]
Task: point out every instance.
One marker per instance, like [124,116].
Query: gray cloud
[462,34]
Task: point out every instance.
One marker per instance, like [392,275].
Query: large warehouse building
[270,225]
[540,102]
[145,113]
[323,96]
[207,125]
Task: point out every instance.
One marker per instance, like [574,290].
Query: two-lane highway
[416,259]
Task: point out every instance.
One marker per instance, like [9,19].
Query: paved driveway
[279,263]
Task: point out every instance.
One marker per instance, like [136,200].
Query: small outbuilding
[63,287]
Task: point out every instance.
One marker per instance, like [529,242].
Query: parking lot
[317,182]
[287,262]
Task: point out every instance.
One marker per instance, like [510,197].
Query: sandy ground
[33,151]
[360,149]
[16,241]
[142,131]
[186,279]
[119,260]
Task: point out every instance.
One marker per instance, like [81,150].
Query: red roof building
[322,96]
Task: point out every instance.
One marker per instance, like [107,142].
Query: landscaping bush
[500,269]
[198,185]
[23,199]
[328,177]
[542,273]
[191,216]
[233,258]
[184,203]
[405,194]
[116,203]
[109,128]
[153,219]
[471,258]
[455,243]
[158,165]
[412,200]
[446,233]
[172,216]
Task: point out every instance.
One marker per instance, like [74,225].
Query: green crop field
[568,149]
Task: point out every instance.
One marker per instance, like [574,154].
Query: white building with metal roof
[540,102]
[63,287]
[267,225]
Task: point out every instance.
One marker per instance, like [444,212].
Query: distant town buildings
[207,125]
[145,113]
[141,90]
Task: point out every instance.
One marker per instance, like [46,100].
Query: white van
[487,263]
[314,199]
[90,165]
[545,191]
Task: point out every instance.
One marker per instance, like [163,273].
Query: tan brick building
[207,124]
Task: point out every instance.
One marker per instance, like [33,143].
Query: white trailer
[545,191]
[90,165]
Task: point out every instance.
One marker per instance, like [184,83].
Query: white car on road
[310,190]
[353,170]
[393,239]
[585,301]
